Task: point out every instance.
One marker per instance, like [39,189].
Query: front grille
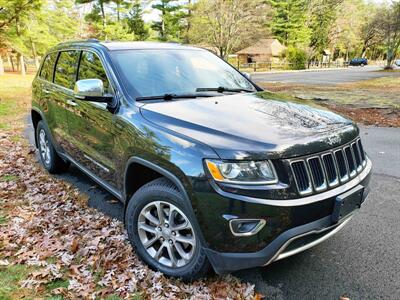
[326,170]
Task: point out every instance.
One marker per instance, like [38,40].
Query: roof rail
[93,40]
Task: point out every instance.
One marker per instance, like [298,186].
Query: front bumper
[292,225]
[316,232]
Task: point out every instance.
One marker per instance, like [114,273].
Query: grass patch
[3,219]
[59,283]
[15,98]
[10,278]
[8,178]
[381,92]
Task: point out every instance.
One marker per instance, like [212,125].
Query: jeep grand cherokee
[212,170]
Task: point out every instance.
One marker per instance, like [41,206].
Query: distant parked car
[359,62]
[397,62]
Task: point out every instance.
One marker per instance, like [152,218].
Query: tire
[161,193]
[362,65]
[49,158]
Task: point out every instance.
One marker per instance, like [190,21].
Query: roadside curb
[298,71]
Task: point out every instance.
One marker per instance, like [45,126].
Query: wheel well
[36,117]
[138,175]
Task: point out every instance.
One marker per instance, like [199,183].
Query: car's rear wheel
[48,155]
[163,233]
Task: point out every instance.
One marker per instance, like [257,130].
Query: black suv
[359,62]
[212,170]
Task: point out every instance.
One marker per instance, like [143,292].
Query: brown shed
[264,50]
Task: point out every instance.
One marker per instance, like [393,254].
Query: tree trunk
[10,62]
[22,64]
[35,55]
[103,14]
[1,66]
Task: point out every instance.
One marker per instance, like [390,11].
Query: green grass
[15,98]
[3,219]
[10,278]
[8,178]
[59,283]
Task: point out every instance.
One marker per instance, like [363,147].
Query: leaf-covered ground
[53,246]
[71,250]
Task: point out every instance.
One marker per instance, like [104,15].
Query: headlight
[248,172]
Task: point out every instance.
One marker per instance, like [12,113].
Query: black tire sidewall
[51,165]
[157,192]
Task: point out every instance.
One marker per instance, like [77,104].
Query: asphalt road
[362,261]
[324,77]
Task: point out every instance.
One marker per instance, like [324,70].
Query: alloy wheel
[44,147]
[166,234]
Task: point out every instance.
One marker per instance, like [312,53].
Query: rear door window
[47,70]
[90,67]
[66,68]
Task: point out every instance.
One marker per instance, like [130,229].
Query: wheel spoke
[171,254]
[151,218]
[150,242]
[184,225]
[182,252]
[160,213]
[171,217]
[157,255]
[185,239]
[148,228]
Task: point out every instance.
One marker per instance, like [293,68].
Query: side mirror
[247,75]
[91,90]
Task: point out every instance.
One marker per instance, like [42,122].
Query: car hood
[253,126]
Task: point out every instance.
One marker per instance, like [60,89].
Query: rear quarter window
[47,70]
[66,68]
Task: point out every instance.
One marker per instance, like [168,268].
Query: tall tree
[323,14]
[13,10]
[169,26]
[228,24]
[288,23]
[100,4]
[390,24]
[136,23]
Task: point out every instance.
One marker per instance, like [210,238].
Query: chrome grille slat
[326,170]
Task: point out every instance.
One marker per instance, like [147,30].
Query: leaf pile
[49,226]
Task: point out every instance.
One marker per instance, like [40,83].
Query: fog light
[246,227]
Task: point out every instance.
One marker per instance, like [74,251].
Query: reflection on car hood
[253,126]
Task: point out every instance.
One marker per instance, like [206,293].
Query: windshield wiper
[222,89]
[168,97]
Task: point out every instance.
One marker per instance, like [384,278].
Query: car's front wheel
[48,155]
[163,233]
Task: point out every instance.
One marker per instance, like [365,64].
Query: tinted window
[91,67]
[157,72]
[67,64]
[48,67]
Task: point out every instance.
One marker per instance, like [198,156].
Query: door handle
[72,103]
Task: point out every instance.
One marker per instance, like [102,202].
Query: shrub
[296,58]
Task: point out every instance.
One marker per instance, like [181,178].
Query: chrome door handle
[72,103]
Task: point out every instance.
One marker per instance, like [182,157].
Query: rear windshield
[157,72]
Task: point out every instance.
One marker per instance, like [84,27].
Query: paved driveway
[362,261]
[324,77]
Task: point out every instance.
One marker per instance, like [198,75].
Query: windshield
[158,72]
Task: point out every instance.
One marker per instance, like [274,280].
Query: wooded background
[346,28]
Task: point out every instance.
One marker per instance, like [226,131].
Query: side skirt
[92,176]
